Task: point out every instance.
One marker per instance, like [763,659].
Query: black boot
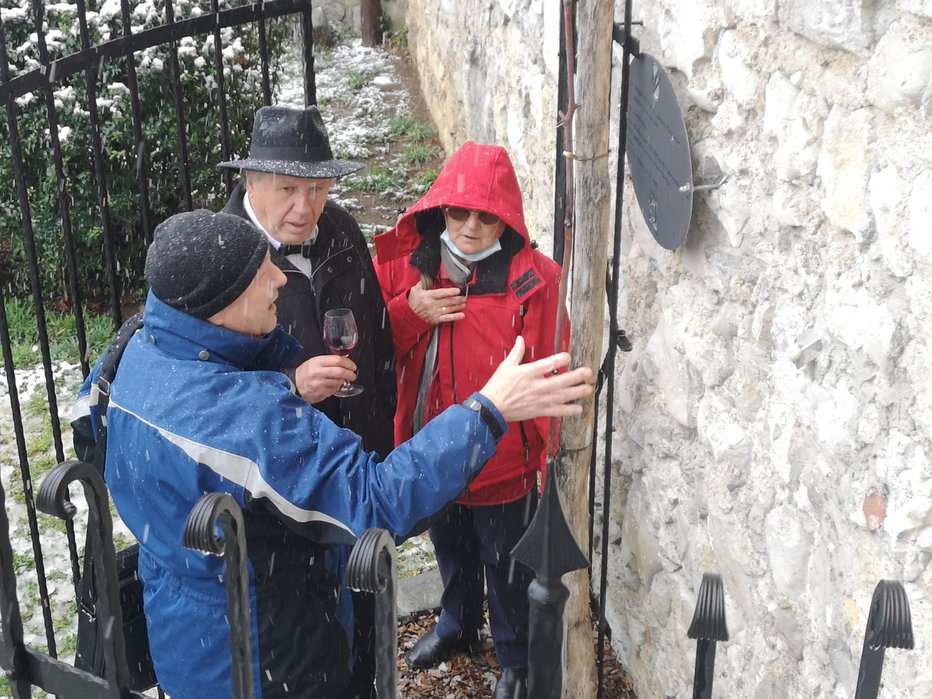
[512,684]
[431,650]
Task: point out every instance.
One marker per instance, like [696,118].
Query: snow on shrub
[61,30]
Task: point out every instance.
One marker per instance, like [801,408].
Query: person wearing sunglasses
[462,280]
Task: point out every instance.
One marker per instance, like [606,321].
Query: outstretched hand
[525,391]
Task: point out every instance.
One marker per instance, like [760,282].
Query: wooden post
[594,20]
[369,21]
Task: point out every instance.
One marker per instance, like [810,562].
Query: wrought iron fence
[108,108]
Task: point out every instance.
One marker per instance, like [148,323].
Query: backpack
[90,651]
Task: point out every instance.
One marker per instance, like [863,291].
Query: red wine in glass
[341,345]
[341,336]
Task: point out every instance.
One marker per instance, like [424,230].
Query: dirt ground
[390,90]
[474,676]
[375,209]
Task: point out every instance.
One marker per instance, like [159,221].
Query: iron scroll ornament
[708,627]
[200,534]
[371,568]
[889,625]
[658,154]
[53,498]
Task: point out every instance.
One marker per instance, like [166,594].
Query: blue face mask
[473,257]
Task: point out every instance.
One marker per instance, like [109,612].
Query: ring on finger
[443,310]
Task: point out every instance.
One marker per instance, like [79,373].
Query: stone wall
[774,420]
[347,12]
[487,73]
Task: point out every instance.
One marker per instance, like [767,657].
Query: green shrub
[423,181]
[406,127]
[63,343]
[373,180]
[399,39]
[416,154]
[242,74]
[342,33]
[358,79]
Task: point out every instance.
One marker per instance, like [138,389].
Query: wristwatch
[488,417]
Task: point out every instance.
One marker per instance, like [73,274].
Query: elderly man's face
[287,207]
[253,311]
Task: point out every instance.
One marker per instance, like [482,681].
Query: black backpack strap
[89,654]
[108,369]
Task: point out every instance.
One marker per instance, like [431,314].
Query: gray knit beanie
[200,262]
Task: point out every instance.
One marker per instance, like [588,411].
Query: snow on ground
[359,91]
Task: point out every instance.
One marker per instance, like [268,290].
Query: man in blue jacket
[199,405]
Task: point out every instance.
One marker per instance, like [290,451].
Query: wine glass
[341,336]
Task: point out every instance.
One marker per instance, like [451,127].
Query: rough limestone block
[845,24]
[843,168]
[694,315]
[835,417]
[789,207]
[642,544]
[725,435]
[739,79]
[672,376]
[861,321]
[753,9]
[732,206]
[909,510]
[900,70]
[923,8]
[788,549]
[687,32]
[793,119]
[917,359]
[920,213]
[887,196]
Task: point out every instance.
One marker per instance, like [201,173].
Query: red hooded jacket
[512,292]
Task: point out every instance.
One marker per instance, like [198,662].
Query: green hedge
[243,91]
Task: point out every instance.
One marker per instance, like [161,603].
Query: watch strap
[488,417]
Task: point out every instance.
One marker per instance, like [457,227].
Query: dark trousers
[362,681]
[473,543]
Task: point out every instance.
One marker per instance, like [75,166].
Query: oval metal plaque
[658,154]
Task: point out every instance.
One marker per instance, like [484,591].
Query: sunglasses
[459,214]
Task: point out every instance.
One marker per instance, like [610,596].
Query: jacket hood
[479,177]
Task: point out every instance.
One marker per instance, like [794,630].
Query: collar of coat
[325,244]
[181,335]
[490,276]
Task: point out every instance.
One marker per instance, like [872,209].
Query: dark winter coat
[343,277]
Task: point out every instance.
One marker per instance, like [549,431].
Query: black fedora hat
[289,141]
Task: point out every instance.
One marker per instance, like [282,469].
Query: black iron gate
[115,115]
